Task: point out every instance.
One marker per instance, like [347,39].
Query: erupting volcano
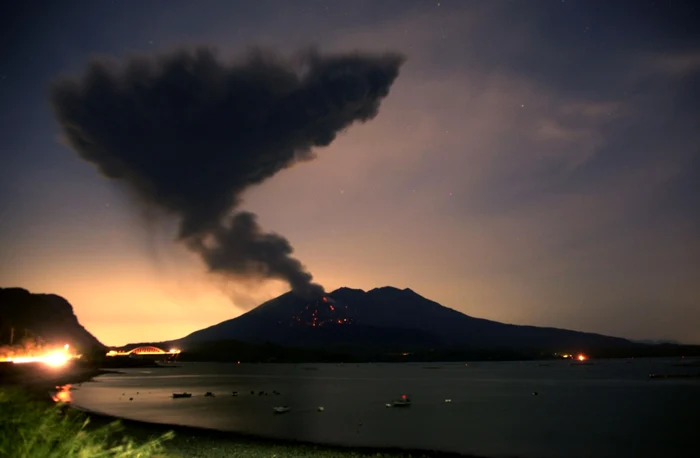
[383,317]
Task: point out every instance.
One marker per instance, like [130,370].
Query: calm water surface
[609,409]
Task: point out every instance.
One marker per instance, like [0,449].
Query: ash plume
[188,133]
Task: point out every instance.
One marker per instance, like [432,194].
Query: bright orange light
[581,357]
[62,394]
[55,358]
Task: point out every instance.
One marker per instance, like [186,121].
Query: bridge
[144,351]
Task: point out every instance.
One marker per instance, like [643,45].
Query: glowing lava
[324,311]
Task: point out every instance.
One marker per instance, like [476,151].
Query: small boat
[403,402]
[321,409]
[235,393]
[208,394]
[281,409]
[447,401]
[182,395]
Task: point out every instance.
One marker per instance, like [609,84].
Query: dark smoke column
[189,134]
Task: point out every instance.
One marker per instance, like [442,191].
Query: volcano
[386,317]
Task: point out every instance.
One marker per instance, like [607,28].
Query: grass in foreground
[34,429]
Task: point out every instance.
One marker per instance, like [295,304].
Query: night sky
[534,162]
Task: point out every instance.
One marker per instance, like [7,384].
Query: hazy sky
[536,162]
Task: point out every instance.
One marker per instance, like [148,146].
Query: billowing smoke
[188,133]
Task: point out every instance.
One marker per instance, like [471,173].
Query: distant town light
[581,357]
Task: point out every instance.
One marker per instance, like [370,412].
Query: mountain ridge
[406,318]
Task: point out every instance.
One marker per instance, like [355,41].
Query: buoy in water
[321,409]
[535,393]
[448,401]
[388,405]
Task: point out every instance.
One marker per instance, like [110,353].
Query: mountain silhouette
[386,317]
[44,317]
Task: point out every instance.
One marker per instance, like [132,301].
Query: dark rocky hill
[45,317]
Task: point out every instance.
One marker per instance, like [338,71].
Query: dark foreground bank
[205,443]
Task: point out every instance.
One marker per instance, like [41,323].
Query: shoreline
[213,443]
[198,442]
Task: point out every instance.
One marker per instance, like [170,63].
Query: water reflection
[63,394]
